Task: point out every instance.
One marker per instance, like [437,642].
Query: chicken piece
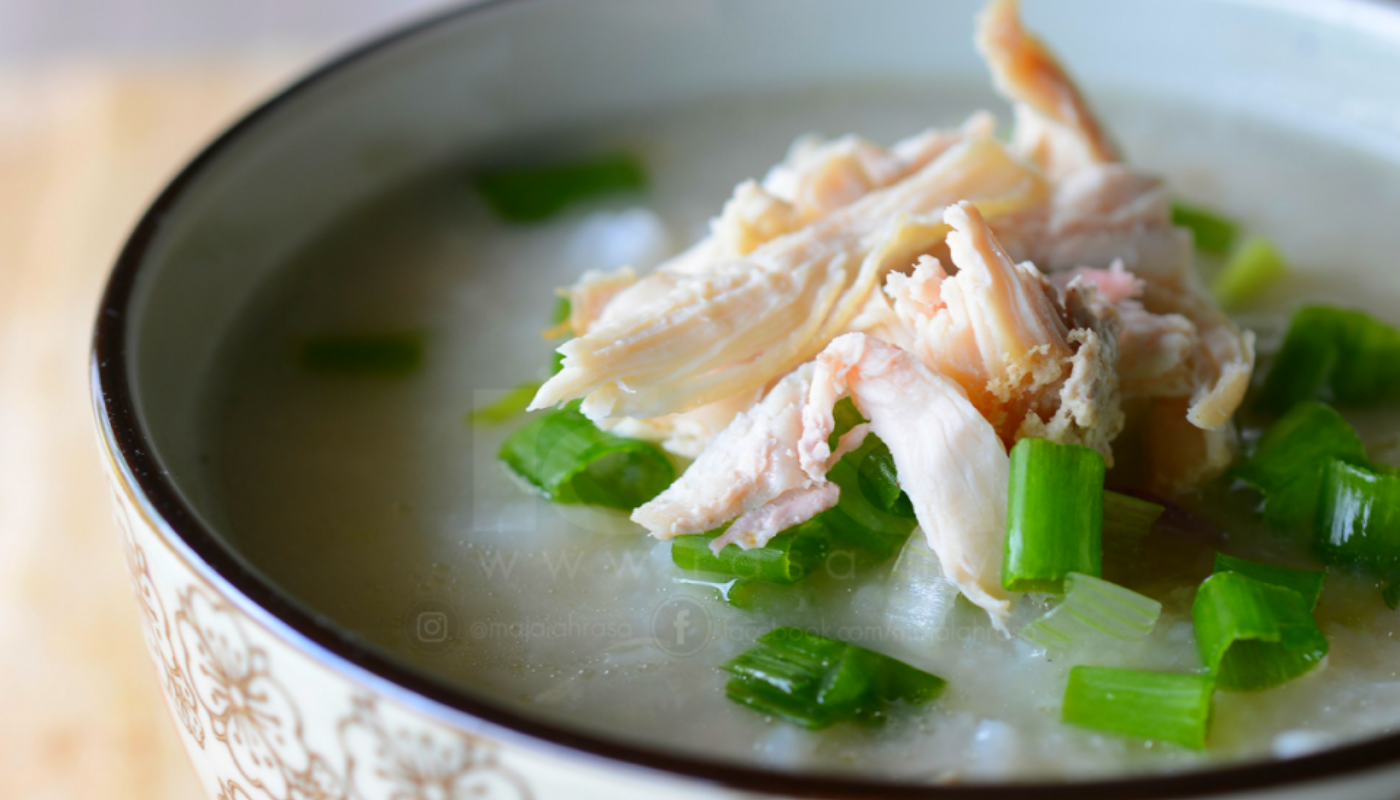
[1107,213]
[732,328]
[814,181]
[949,459]
[750,464]
[589,296]
[1029,365]
[687,434]
[1154,350]
[1055,127]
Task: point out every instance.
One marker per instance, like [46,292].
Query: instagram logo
[432,625]
[681,626]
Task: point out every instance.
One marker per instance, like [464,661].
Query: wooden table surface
[82,149]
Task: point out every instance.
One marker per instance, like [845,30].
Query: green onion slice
[1287,465]
[1307,583]
[1391,595]
[1213,233]
[814,682]
[1253,269]
[1054,515]
[390,355]
[566,456]
[1334,354]
[1254,635]
[537,193]
[1161,706]
[1093,610]
[506,407]
[788,558]
[1127,520]
[1359,516]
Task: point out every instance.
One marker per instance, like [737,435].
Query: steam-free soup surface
[373,502]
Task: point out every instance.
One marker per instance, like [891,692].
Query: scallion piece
[390,355]
[1255,267]
[533,194]
[1343,356]
[1359,516]
[814,682]
[1305,582]
[506,407]
[1161,706]
[1213,233]
[570,460]
[1288,462]
[1254,635]
[1054,515]
[1127,520]
[1093,610]
[788,558]
[1391,595]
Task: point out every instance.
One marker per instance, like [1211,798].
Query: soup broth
[375,503]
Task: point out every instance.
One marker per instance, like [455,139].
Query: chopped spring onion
[536,193]
[814,682]
[1254,635]
[1359,516]
[1334,354]
[1093,610]
[1054,515]
[1163,706]
[1255,267]
[1213,233]
[1305,582]
[570,460]
[1391,595]
[878,479]
[505,407]
[1127,520]
[788,558]
[391,355]
[1288,462]
[866,519]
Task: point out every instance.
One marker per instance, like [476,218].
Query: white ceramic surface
[272,703]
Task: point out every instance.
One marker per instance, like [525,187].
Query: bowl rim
[344,653]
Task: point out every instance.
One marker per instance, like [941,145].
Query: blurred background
[100,102]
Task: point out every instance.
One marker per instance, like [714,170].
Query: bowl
[270,698]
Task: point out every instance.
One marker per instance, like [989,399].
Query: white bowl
[270,699]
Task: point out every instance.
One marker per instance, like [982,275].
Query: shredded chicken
[750,464]
[733,327]
[1054,126]
[1028,364]
[949,459]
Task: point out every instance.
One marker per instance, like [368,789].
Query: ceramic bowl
[273,702]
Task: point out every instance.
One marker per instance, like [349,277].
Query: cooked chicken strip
[1055,127]
[1107,213]
[735,326]
[589,296]
[814,181]
[1155,350]
[750,464]
[999,330]
[950,461]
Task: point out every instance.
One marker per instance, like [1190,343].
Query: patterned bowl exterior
[263,718]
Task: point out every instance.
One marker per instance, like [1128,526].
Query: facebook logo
[681,626]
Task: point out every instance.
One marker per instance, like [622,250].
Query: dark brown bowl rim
[259,597]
